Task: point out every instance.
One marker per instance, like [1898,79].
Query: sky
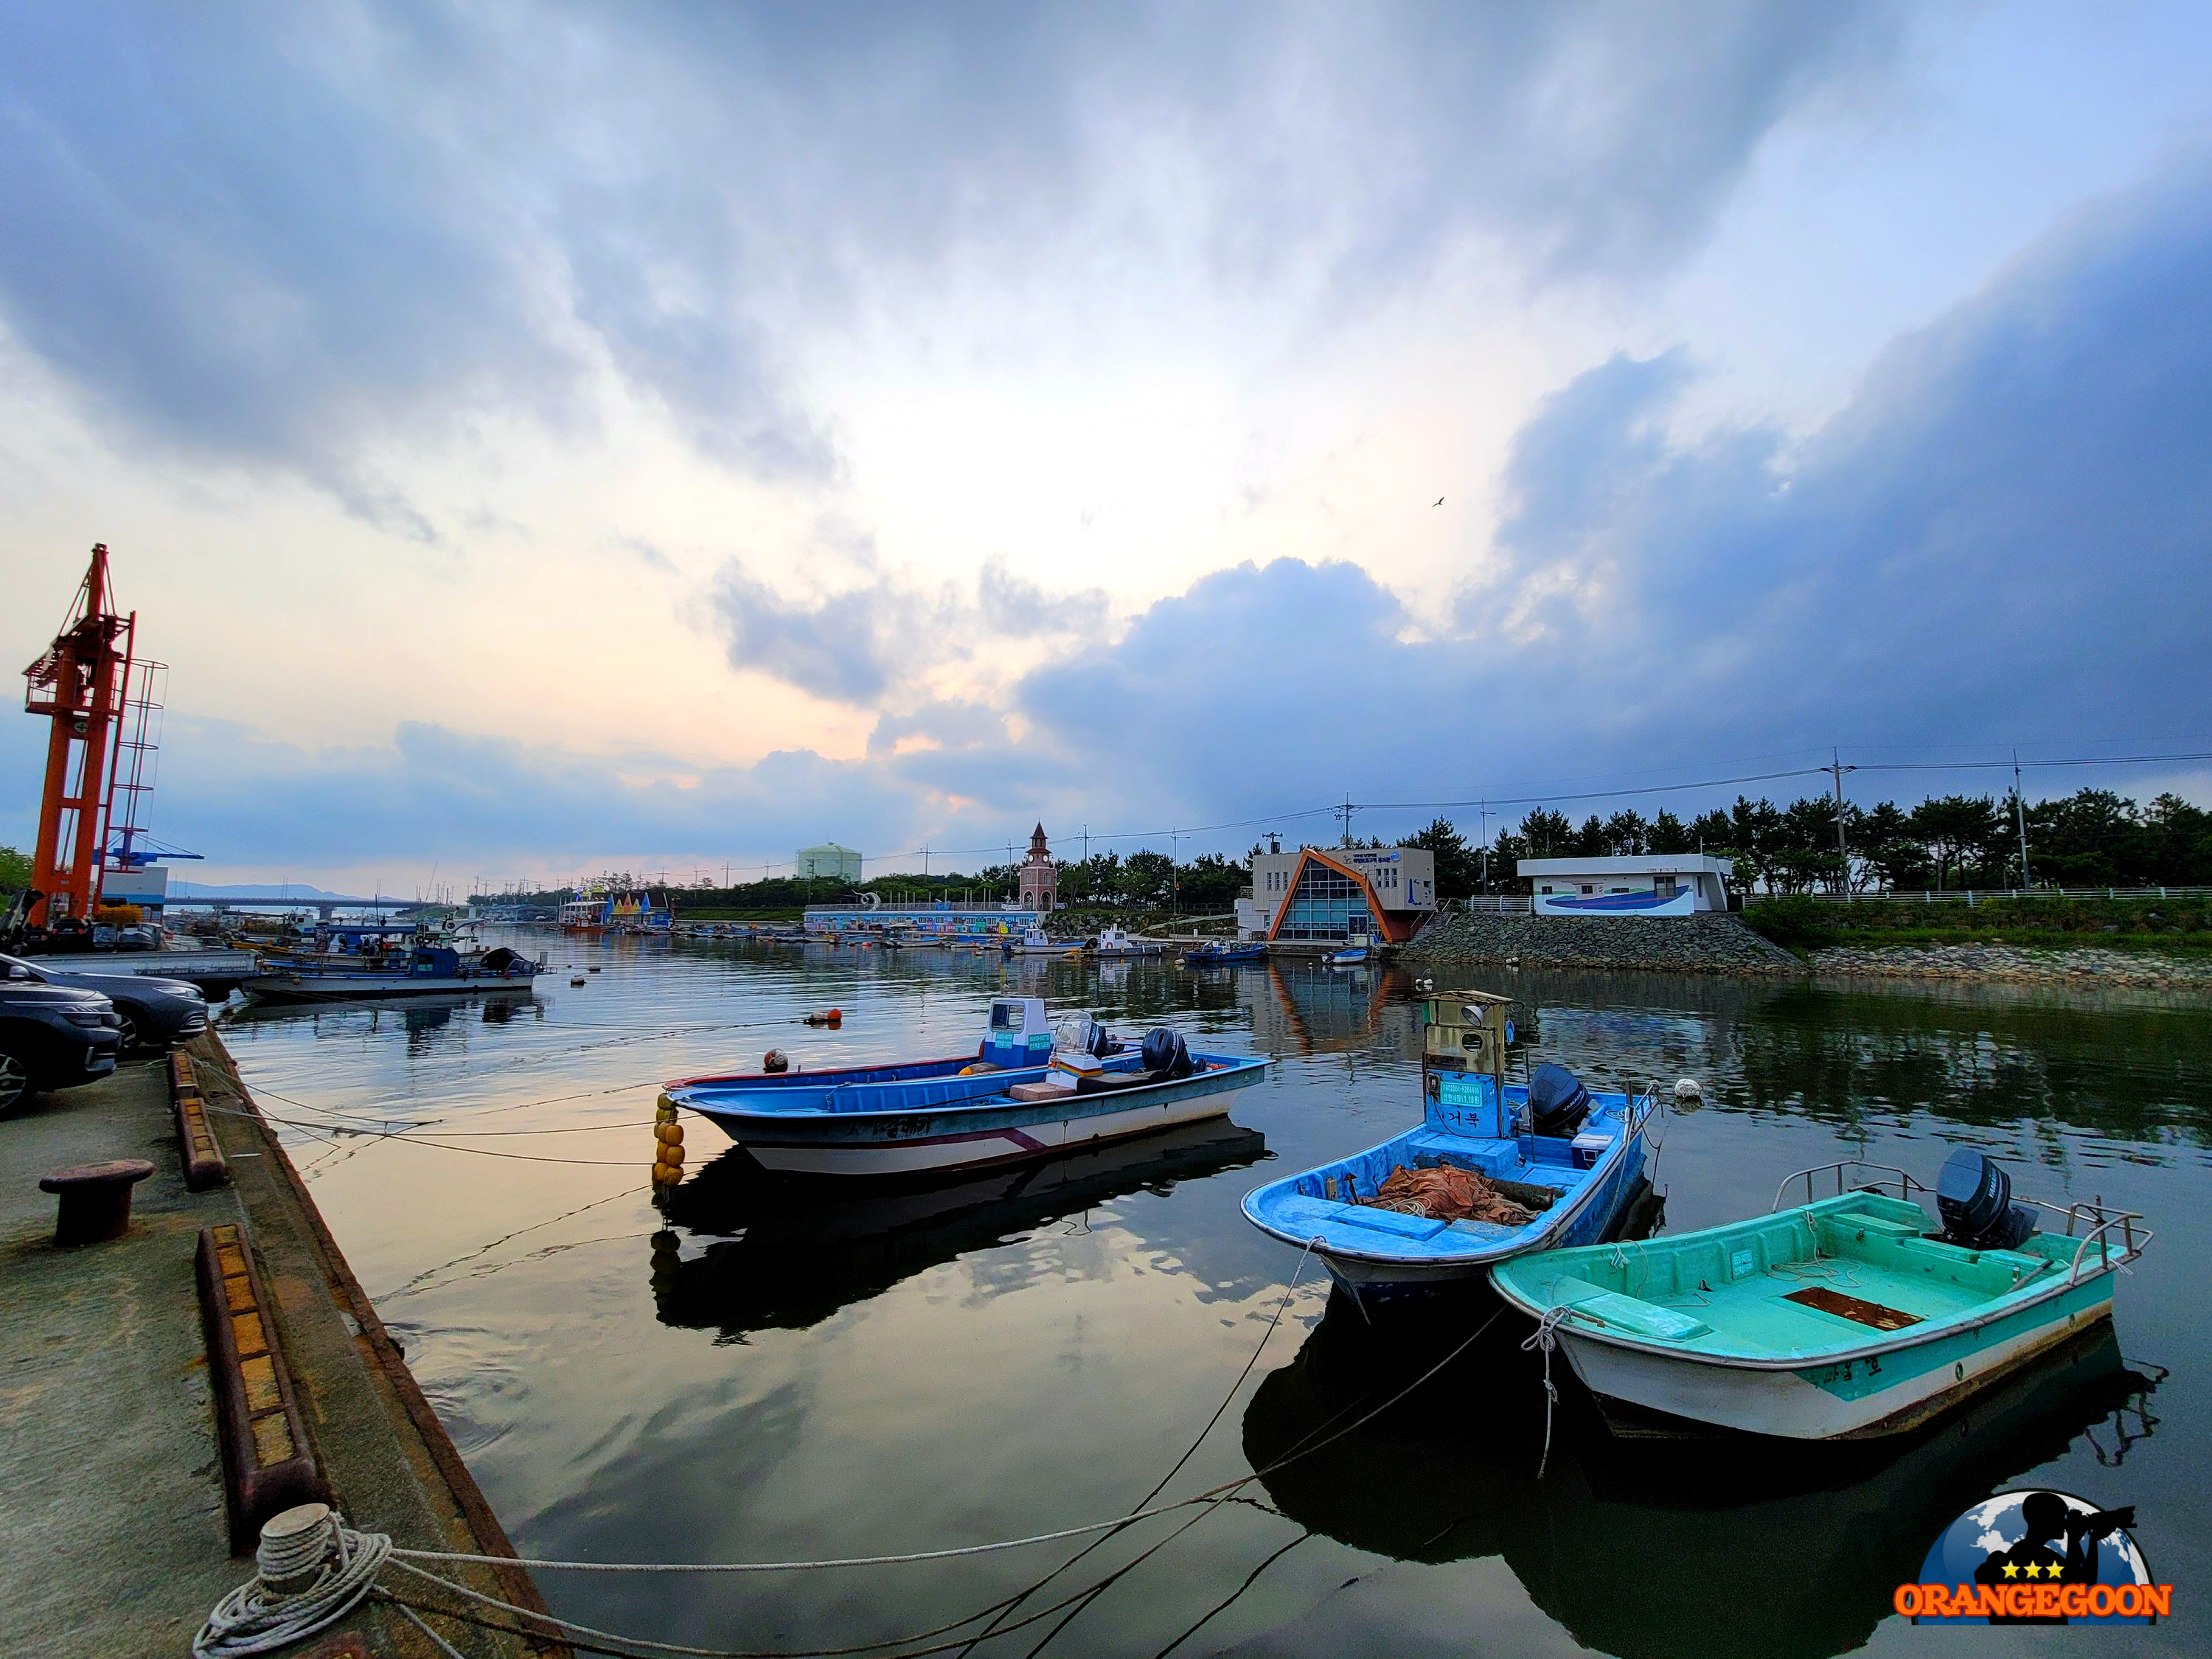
[557,437]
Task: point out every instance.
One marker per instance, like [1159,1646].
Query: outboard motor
[1974,1195]
[1165,1052]
[1558,1103]
[1095,1041]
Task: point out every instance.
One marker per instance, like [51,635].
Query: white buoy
[1687,1089]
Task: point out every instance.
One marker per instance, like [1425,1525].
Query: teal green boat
[1841,1318]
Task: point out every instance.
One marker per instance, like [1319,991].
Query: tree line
[2092,838]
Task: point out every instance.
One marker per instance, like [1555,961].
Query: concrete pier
[113,1538]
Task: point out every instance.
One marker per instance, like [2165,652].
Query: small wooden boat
[1214,956]
[1021,1096]
[1569,1160]
[1839,1319]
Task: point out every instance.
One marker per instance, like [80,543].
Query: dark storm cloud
[280,238]
[2004,536]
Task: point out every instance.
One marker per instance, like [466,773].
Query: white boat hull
[984,1146]
[1831,1402]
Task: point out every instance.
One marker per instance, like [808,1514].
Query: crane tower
[94,753]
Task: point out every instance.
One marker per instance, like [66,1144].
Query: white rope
[310,1571]
[1543,1341]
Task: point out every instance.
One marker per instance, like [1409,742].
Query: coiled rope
[310,1570]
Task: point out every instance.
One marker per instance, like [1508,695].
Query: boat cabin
[1464,1037]
[1019,1034]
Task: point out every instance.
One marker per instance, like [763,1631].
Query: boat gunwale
[1519,1242]
[2027,1294]
[778,1078]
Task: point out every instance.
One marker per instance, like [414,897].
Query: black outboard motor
[1095,1042]
[1558,1103]
[1165,1052]
[1974,1195]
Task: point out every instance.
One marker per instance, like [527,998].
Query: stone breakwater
[1714,943]
[2077,966]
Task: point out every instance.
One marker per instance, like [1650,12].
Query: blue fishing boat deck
[1305,1207]
[1795,1285]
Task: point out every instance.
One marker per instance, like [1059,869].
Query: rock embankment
[1714,943]
[2077,966]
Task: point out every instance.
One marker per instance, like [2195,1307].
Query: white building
[1646,884]
[1327,895]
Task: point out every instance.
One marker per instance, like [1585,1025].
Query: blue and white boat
[1573,1160]
[1022,1096]
[1212,956]
[1350,957]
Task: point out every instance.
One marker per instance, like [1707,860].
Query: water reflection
[1655,1549]
[794,1253]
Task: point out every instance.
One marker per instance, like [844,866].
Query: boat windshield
[1002,1017]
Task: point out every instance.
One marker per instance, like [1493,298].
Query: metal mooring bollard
[96,1199]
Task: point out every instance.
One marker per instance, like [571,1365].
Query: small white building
[1644,884]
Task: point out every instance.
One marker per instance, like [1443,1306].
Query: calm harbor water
[739,1375]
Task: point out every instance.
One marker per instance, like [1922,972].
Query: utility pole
[1346,839]
[1174,872]
[1843,853]
[1485,809]
[2019,815]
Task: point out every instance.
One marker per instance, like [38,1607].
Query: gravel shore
[1714,943]
[2085,964]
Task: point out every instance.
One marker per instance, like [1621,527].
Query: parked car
[154,1013]
[137,939]
[51,1036]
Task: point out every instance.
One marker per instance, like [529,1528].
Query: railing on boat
[1905,1184]
[2093,1210]
[2077,1213]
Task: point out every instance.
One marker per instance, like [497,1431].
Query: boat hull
[365,987]
[1888,1393]
[892,1143]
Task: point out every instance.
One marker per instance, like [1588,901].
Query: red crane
[83,685]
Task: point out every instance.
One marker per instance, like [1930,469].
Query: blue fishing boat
[1212,956]
[1350,957]
[1023,1095]
[1494,1170]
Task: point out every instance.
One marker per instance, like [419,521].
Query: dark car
[154,1011]
[51,1036]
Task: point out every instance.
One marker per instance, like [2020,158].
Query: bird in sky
[1439,502]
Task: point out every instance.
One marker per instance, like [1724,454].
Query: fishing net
[1448,1195]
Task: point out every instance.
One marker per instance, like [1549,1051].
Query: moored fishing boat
[1350,957]
[1215,956]
[1841,1318]
[1034,941]
[1111,942]
[1494,1170]
[425,971]
[925,1117]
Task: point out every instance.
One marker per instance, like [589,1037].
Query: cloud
[293,240]
[861,642]
[835,647]
[2002,537]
